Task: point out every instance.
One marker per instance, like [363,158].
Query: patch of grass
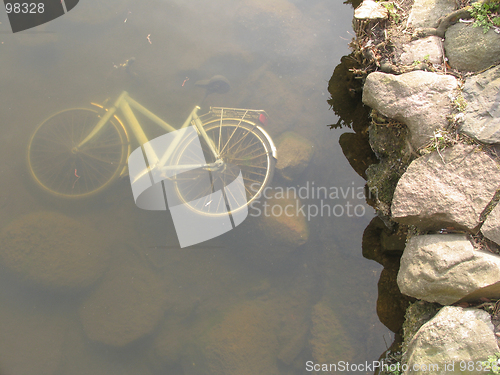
[486,15]
[418,62]
[392,363]
[460,103]
[393,13]
[440,140]
[492,364]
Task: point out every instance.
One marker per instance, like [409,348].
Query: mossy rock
[382,181]
[417,314]
[387,141]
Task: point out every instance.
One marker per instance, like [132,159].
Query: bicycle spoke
[61,171]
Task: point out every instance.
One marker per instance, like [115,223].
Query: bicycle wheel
[242,146]
[61,170]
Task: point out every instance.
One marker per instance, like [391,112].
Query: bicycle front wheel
[66,172]
[244,147]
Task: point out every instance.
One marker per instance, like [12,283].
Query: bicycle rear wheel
[61,170]
[243,146]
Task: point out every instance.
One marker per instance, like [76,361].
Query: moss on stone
[390,144]
[417,314]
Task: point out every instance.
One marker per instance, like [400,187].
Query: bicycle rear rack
[256,116]
[252,115]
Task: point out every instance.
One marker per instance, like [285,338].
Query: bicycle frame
[125,103]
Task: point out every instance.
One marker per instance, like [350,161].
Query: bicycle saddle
[217,84]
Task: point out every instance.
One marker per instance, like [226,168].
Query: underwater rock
[126,306]
[244,342]
[292,32]
[294,154]
[282,222]
[217,84]
[382,244]
[51,250]
[33,337]
[329,341]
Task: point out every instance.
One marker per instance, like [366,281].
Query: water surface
[239,304]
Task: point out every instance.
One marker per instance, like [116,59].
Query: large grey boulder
[449,188]
[430,48]
[425,13]
[453,338]
[482,114]
[438,268]
[419,99]
[468,48]
[491,226]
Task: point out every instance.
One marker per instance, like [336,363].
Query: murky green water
[238,304]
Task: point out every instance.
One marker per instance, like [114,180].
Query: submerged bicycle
[80,152]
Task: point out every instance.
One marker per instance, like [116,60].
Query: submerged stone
[283,222]
[126,306]
[329,341]
[244,342]
[295,152]
[51,250]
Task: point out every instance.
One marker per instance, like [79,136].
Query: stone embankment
[446,91]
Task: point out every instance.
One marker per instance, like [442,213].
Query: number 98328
[24,8]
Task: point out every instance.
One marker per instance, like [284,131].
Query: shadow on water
[383,242]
